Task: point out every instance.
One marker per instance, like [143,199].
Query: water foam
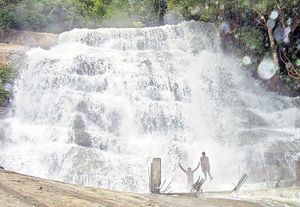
[164,92]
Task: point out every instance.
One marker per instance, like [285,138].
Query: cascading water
[96,108]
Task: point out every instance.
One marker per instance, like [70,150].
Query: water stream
[96,108]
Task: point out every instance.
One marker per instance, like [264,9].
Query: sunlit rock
[274,14]
[287,30]
[27,38]
[289,21]
[271,23]
[246,60]
[279,34]
[138,24]
[195,10]
[224,27]
[7,87]
[286,40]
[11,54]
[267,69]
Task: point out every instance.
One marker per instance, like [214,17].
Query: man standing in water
[205,166]
[190,175]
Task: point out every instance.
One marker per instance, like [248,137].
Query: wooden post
[155,176]
[273,47]
[240,183]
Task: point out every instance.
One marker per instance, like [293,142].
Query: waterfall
[98,106]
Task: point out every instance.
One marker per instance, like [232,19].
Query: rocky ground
[10,53]
[18,190]
[14,44]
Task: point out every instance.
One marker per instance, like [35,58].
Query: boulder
[78,123]
[82,138]
[15,43]
[27,38]
[10,54]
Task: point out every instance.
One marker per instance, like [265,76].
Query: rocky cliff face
[30,39]
[11,53]
[14,44]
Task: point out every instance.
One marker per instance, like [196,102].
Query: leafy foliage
[252,39]
[61,15]
[6,77]
[58,15]
[149,12]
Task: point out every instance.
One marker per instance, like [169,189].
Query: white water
[164,92]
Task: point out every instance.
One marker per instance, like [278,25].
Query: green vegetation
[251,39]
[6,79]
[247,27]
[61,15]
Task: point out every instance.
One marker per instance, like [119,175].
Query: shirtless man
[190,175]
[205,166]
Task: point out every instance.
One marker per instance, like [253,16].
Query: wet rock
[247,138]
[224,28]
[250,137]
[91,66]
[274,14]
[154,94]
[114,122]
[279,34]
[271,23]
[78,123]
[250,119]
[81,106]
[82,138]
[172,19]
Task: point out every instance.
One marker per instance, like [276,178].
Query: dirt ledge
[17,190]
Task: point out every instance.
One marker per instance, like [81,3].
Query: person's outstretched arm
[196,167]
[182,168]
